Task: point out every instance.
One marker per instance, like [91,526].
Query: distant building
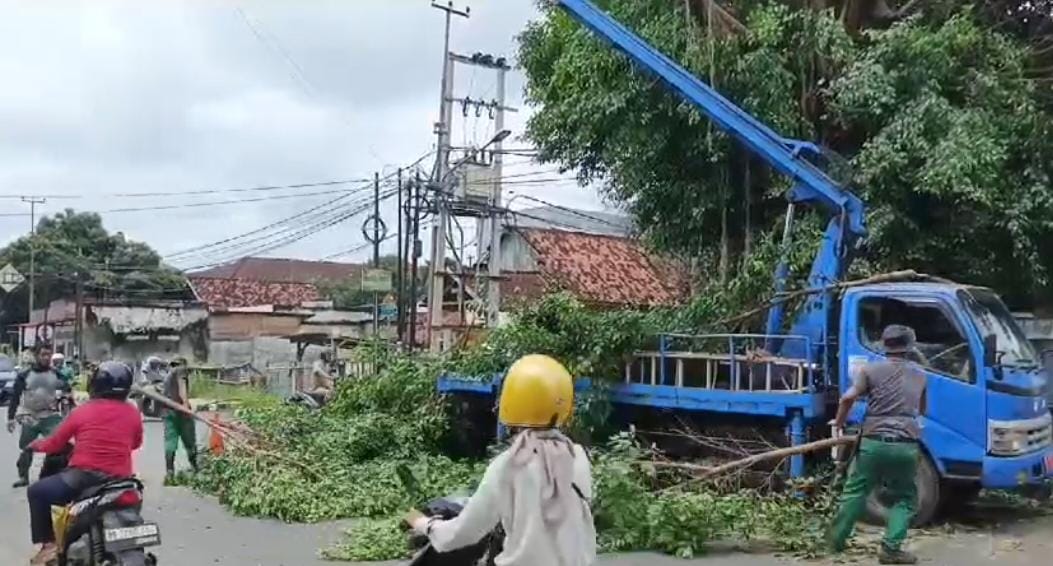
[266,311]
[127,330]
[591,255]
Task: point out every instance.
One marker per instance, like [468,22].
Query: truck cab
[988,423]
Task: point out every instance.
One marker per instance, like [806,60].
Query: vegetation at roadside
[341,462]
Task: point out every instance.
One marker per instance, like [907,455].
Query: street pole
[400,296]
[416,258]
[376,251]
[33,202]
[494,287]
[78,324]
[442,161]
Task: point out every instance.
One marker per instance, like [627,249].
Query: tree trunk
[747,245]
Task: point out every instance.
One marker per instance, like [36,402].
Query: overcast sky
[104,97]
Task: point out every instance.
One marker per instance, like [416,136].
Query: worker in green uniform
[888,450]
[179,426]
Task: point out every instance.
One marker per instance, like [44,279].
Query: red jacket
[104,431]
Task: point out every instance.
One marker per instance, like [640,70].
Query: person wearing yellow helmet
[539,489]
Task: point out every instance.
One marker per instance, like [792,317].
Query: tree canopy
[942,109]
[74,244]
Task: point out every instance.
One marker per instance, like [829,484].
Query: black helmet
[111,380]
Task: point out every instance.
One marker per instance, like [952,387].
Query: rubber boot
[192,457]
[889,556]
[25,461]
[169,467]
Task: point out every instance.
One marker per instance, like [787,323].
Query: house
[259,307]
[601,270]
[128,330]
[591,255]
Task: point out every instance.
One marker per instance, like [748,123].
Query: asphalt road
[197,532]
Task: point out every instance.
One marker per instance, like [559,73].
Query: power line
[209,203]
[194,192]
[302,216]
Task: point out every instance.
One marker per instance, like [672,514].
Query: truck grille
[1013,438]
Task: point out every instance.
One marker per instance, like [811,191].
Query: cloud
[109,96]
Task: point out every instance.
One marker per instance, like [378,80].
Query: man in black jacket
[34,406]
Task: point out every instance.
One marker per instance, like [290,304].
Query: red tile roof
[281,270]
[605,270]
[221,293]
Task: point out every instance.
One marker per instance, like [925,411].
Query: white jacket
[511,495]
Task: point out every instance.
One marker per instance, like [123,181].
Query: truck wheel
[927,482]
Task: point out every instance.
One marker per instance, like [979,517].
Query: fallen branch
[906,275]
[237,438]
[708,472]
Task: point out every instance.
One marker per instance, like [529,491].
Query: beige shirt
[511,496]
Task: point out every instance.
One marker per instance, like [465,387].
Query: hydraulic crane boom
[810,184]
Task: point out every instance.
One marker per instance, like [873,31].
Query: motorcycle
[481,553]
[147,406]
[65,403]
[104,527]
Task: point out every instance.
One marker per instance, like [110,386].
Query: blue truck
[988,422]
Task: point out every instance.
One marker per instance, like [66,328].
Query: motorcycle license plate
[126,538]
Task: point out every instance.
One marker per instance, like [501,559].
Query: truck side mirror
[990,350]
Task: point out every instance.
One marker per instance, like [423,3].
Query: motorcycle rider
[34,406]
[539,489]
[62,369]
[105,431]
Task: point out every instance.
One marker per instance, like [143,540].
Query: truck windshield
[992,317]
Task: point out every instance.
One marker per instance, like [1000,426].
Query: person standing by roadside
[179,427]
[34,407]
[888,449]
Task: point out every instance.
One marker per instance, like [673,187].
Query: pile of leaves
[340,462]
[635,508]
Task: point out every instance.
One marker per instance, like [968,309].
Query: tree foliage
[74,244]
[939,108]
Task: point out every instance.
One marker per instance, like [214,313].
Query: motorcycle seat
[117,484]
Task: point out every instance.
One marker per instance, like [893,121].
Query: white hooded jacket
[539,490]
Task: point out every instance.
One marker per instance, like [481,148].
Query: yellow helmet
[538,392]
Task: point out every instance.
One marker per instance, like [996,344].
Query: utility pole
[400,296]
[442,162]
[78,324]
[33,202]
[376,251]
[416,198]
[494,263]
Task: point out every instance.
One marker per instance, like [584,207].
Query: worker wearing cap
[179,425]
[538,489]
[888,451]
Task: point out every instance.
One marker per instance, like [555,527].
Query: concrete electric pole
[437,288]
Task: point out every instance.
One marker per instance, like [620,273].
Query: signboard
[376,281]
[10,278]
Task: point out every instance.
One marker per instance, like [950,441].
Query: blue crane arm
[784,155]
[846,226]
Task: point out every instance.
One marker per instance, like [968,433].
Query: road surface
[197,532]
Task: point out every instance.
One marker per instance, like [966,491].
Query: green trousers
[179,427]
[32,430]
[888,464]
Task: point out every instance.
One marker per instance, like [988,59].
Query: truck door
[955,429]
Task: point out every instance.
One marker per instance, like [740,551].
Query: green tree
[939,107]
[73,244]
